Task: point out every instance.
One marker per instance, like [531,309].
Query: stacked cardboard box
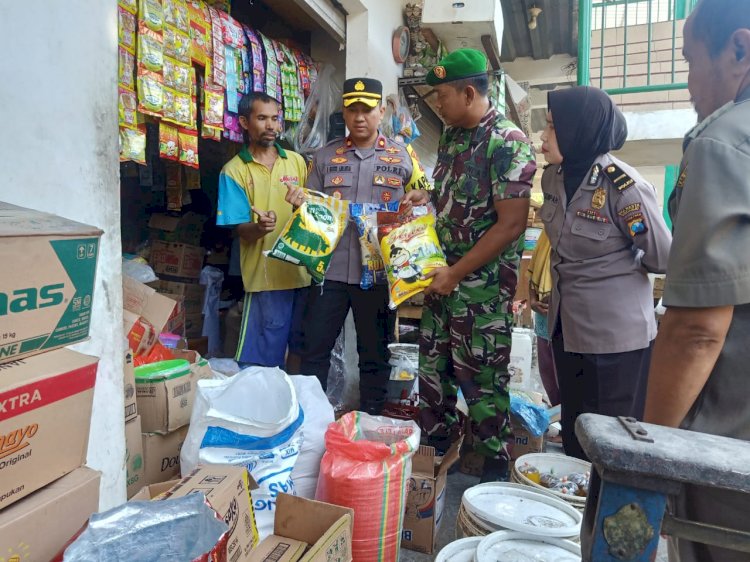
[46,393]
[179,266]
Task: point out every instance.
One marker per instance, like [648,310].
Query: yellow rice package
[312,234]
[410,249]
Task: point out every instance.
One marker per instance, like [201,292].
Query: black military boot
[495,470]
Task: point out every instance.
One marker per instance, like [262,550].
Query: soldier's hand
[444,281]
[414,198]
[295,196]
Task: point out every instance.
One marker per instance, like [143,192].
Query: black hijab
[587,125]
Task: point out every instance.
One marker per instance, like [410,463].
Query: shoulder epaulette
[619,179]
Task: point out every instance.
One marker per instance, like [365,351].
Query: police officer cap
[362,90]
[459,65]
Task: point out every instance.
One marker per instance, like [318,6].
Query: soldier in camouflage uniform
[482,185]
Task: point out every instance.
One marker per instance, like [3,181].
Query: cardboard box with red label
[179,262]
[45,415]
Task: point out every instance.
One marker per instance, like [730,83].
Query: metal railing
[609,14]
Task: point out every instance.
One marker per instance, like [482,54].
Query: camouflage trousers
[465,345]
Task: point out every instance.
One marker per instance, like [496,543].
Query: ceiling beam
[509,52]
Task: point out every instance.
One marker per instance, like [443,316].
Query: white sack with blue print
[251,419]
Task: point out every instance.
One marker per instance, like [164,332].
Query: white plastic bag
[318,415]
[251,419]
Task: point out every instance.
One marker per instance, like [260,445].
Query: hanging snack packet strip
[258,70]
[215,71]
[126,25]
[152,14]
[312,234]
[188,148]
[168,142]
[364,216]
[132,145]
[176,14]
[127,104]
[199,32]
[410,249]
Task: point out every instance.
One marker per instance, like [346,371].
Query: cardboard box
[227,488]
[45,415]
[193,325]
[165,402]
[153,491]
[193,293]
[36,528]
[279,549]
[198,364]
[161,456]
[179,262]
[426,500]
[144,301]
[131,405]
[187,228]
[176,322]
[134,470]
[326,528]
[47,286]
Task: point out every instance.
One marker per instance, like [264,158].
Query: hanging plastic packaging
[132,145]
[152,14]
[325,98]
[150,50]
[365,467]
[398,122]
[168,142]
[410,249]
[188,141]
[364,216]
[312,233]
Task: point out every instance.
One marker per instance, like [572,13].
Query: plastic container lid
[508,506]
[462,550]
[163,370]
[509,546]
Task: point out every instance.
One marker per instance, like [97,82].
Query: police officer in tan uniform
[365,167]
[607,233]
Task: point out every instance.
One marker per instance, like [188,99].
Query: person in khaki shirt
[699,370]
[607,233]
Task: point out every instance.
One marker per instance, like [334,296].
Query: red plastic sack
[365,467]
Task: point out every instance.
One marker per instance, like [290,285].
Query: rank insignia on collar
[381,142]
[349,143]
[394,182]
[390,160]
[338,180]
[595,171]
[339,160]
[341,150]
[392,150]
[619,179]
[599,198]
[379,180]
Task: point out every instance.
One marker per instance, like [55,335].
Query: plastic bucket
[498,506]
[508,545]
[462,550]
[551,463]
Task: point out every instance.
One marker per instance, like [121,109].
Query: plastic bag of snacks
[365,467]
[168,142]
[410,249]
[132,145]
[312,234]
[364,216]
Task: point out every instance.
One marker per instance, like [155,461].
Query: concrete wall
[60,154]
[369,30]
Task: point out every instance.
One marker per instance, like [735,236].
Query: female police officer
[606,233]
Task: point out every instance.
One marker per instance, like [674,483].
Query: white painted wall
[59,147]
[369,30]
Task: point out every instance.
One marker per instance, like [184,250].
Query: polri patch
[637,224]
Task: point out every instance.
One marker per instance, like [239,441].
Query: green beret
[460,64]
